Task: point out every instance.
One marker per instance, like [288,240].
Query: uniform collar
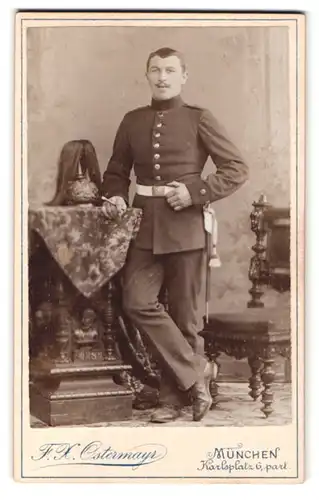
[174,102]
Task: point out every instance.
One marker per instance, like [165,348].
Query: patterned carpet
[235,408]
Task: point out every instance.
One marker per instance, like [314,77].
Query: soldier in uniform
[168,143]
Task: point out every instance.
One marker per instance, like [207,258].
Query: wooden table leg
[63,334]
[109,318]
[267,377]
[255,385]
[212,354]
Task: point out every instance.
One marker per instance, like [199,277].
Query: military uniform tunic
[170,141]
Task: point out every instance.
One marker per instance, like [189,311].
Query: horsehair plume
[90,163]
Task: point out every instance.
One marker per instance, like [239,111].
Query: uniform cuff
[109,194]
[200,192]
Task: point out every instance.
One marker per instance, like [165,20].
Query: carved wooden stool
[258,333]
[259,336]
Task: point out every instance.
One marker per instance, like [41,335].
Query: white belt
[210,221]
[152,190]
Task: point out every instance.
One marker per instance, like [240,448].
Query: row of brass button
[156,145]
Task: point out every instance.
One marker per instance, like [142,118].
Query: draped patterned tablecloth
[88,247]
[90,250]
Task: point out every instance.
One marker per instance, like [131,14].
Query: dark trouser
[175,335]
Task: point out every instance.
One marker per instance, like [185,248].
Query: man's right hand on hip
[114,207]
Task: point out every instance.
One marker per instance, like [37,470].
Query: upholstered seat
[250,321]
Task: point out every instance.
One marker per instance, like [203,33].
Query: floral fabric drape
[89,248]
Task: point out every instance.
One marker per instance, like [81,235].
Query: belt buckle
[158,190]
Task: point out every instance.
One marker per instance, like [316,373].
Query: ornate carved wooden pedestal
[74,363]
[258,333]
[77,375]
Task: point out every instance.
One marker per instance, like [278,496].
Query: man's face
[165,77]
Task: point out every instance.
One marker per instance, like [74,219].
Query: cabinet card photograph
[159,247]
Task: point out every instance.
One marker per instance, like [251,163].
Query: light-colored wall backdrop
[81,81]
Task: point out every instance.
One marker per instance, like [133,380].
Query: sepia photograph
[159,222]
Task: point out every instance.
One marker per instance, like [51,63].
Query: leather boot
[202,399]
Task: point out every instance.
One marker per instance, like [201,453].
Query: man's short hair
[166,52]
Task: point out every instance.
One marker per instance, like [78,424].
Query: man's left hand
[179,197]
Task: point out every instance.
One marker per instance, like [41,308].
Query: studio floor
[235,408]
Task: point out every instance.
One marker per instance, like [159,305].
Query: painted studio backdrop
[82,80]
